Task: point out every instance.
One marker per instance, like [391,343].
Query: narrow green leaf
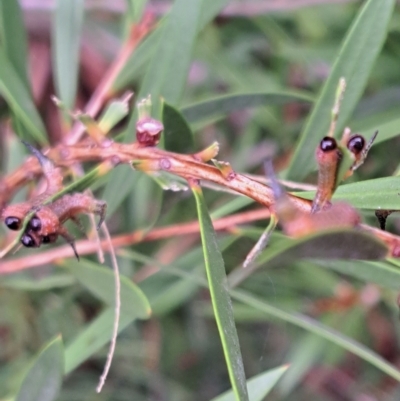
[220,299]
[167,73]
[354,62]
[100,282]
[137,8]
[304,322]
[146,50]
[381,273]
[388,130]
[38,284]
[81,183]
[305,353]
[20,101]
[378,193]
[258,386]
[121,183]
[313,326]
[145,204]
[223,105]
[94,336]
[329,244]
[44,377]
[66,32]
[178,137]
[114,112]
[13,38]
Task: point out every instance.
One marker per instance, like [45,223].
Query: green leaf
[44,378]
[38,284]
[313,326]
[145,204]
[223,105]
[354,62]
[220,299]
[121,182]
[94,336]
[137,7]
[258,386]
[329,244]
[305,353]
[378,193]
[167,73]
[387,130]
[178,137]
[81,183]
[114,112]
[13,38]
[20,101]
[66,32]
[146,50]
[381,273]
[100,282]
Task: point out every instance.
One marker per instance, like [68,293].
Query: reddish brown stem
[85,247]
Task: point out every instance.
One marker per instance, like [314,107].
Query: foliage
[309,317]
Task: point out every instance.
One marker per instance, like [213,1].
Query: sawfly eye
[356,144]
[327,144]
[27,241]
[13,223]
[35,224]
[48,239]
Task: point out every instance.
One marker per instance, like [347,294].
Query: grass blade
[100,282]
[381,273]
[94,336]
[378,193]
[327,244]
[220,298]
[44,378]
[313,326]
[354,62]
[167,73]
[20,101]
[178,137]
[259,386]
[66,32]
[145,51]
[14,40]
[222,105]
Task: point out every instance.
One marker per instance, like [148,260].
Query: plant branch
[86,247]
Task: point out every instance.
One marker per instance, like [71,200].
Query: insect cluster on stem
[47,215]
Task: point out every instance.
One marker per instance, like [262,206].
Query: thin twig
[117,310]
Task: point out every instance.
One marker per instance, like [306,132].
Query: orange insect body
[46,224]
[339,215]
[328,156]
[297,223]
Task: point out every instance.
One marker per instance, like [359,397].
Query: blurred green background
[245,74]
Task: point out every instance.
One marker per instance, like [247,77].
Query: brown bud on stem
[148,131]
